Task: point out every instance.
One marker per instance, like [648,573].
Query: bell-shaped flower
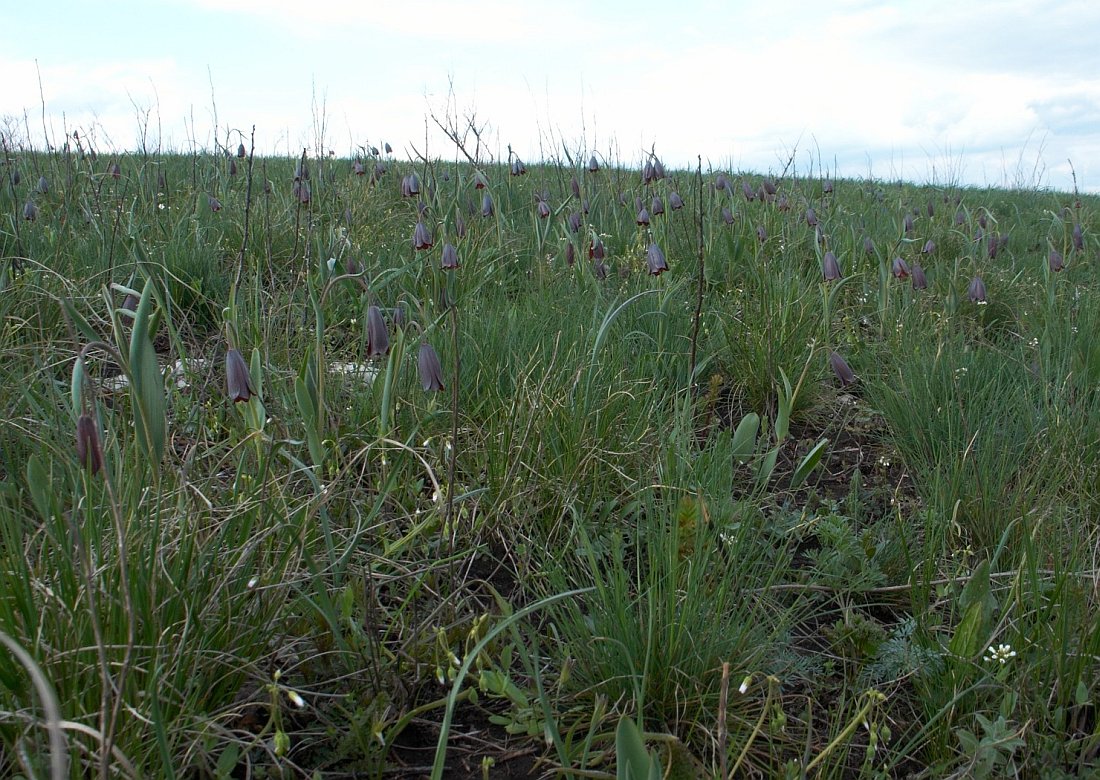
[575,187]
[908,224]
[238,382]
[827,187]
[901,269]
[761,234]
[929,247]
[378,338]
[727,215]
[1078,237]
[486,205]
[460,225]
[842,370]
[830,267]
[518,168]
[655,260]
[232,167]
[358,168]
[450,257]
[811,217]
[573,221]
[675,202]
[30,211]
[1056,261]
[642,218]
[596,249]
[976,291]
[919,282]
[431,372]
[593,164]
[43,185]
[422,237]
[868,245]
[748,191]
[570,254]
[241,153]
[543,209]
[656,206]
[722,183]
[214,204]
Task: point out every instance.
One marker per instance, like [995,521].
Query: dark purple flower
[727,215]
[675,202]
[976,291]
[585,206]
[575,187]
[302,191]
[30,211]
[450,257]
[1056,261]
[486,205]
[358,169]
[919,282]
[460,225]
[422,237]
[88,451]
[649,175]
[570,254]
[593,164]
[1078,238]
[657,206]
[410,186]
[982,221]
[378,338]
[43,185]
[596,249]
[241,153]
[901,269]
[388,148]
[232,167]
[929,247]
[480,182]
[543,209]
[431,373]
[748,191]
[761,234]
[655,260]
[931,209]
[783,204]
[868,245]
[518,168]
[642,218]
[842,370]
[830,267]
[769,187]
[574,222]
[994,246]
[908,224]
[238,381]
[960,217]
[214,204]
[811,217]
[721,183]
[827,187]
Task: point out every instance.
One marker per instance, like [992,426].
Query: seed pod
[89,453]
[238,381]
[431,373]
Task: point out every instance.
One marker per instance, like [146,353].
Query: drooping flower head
[655,260]
[378,338]
[238,381]
[431,372]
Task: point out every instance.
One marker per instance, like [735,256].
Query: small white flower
[1001,653]
[296,699]
[252,582]
[745,684]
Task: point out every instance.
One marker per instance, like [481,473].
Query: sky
[947,92]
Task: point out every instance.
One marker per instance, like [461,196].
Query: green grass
[575,530]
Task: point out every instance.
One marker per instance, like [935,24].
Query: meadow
[377,467]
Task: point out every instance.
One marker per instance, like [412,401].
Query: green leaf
[808,464]
[967,640]
[744,438]
[147,383]
[633,761]
[38,483]
[783,416]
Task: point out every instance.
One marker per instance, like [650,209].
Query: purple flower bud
[241,153]
[721,183]
[43,185]
[960,217]
[238,381]
[88,451]
[908,224]
[649,175]
[460,226]
[388,148]
[761,234]
[596,250]
[431,373]
[931,210]
[378,338]
[659,169]
[575,186]
[232,167]
[769,187]
[570,254]
[518,168]
[868,245]
[982,221]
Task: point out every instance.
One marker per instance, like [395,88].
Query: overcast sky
[1000,92]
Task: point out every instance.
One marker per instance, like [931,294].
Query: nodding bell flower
[358,169]
[783,204]
[410,186]
[655,260]
[721,183]
[43,185]
[931,210]
[30,211]
[868,245]
[642,218]
[982,221]
[575,186]
[830,267]
[960,217]
[88,450]
[761,234]
[431,373]
[976,291]
[842,370]
[1056,261]
[1078,238]
[638,203]
[518,168]
[994,246]
[241,153]
[919,282]
[116,171]
[232,167]
[460,226]
[901,269]
[827,187]
[302,191]
[675,202]
[16,177]
[593,164]
[450,257]
[659,169]
[214,204]
[908,224]
[543,209]
[599,267]
[378,172]
[811,217]
[727,215]
[238,382]
[573,221]
[596,250]
[586,206]
[748,191]
[486,205]
[649,174]
[769,187]
[378,338]
[388,148]
[656,206]
[480,182]
[570,254]
[422,237]
[399,316]
[929,247]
